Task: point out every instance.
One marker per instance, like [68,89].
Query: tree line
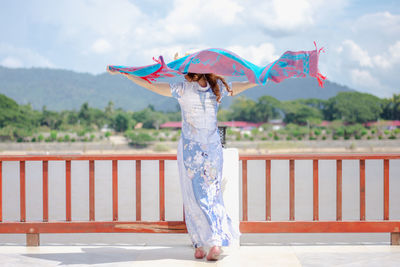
[348,107]
[19,121]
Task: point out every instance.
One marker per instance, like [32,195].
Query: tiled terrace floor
[163,256]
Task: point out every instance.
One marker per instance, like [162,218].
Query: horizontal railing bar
[88,157]
[320,227]
[180,227]
[1,191]
[306,156]
[94,227]
[320,156]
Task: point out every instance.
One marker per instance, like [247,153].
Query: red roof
[325,123]
[239,124]
[387,123]
[171,124]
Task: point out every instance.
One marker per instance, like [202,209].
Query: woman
[200,157]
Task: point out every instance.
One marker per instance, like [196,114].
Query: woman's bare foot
[199,253]
[213,253]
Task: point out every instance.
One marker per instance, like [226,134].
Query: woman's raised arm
[238,87]
[159,88]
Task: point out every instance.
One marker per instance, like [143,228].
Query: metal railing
[33,229]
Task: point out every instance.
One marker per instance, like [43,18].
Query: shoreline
[244,147]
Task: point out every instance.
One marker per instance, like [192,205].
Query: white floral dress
[200,161]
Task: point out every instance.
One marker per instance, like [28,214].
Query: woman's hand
[238,87]
[159,88]
[111,71]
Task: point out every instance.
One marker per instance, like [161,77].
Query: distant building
[325,123]
[383,124]
[243,125]
[171,124]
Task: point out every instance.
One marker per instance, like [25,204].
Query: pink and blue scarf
[226,63]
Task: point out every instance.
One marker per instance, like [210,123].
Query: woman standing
[200,157]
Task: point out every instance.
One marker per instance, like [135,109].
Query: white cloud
[101,46]
[16,57]
[275,16]
[365,81]
[364,78]
[11,62]
[260,55]
[381,23]
[394,52]
[287,17]
[355,53]
[389,57]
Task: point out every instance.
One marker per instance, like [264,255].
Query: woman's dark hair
[212,79]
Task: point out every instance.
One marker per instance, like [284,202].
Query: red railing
[33,229]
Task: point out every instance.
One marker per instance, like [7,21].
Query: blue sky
[361,38]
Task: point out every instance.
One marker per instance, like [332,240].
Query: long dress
[200,161]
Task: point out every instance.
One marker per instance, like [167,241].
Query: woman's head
[212,79]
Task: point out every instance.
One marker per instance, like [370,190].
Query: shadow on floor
[117,254]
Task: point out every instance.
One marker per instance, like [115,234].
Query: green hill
[67,90]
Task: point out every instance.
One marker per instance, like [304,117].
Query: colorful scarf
[226,63]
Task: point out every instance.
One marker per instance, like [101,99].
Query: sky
[361,38]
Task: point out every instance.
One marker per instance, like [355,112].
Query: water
[173,210]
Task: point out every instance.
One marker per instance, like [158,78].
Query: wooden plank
[362,190]
[161,189]
[180,227]
[93,227]
[91,191]
[1,191]
[291,190]
[320,227]
[327,156]
[22,191]
[339,190]
[315,191]
[138,190]
[268,190]
[32,239]
[68,190]
[115,189]
[45,167]
[309,156]
[244,190]
[386,189]
[87,157]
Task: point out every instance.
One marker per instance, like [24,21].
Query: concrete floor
[306,255]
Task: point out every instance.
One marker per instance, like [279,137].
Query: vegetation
[347,113]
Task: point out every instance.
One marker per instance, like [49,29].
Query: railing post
[161,189]
[244,190]
[68,190]
[362,189]
[91,191]
[32,239]
[22,192]
[268,190]
[1,191]
[395,239]
[386,189]
[315,191]
[138,190]
[45,170]
[291,190]
[338,190]
[115,189]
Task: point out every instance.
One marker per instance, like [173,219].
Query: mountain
[67,90]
